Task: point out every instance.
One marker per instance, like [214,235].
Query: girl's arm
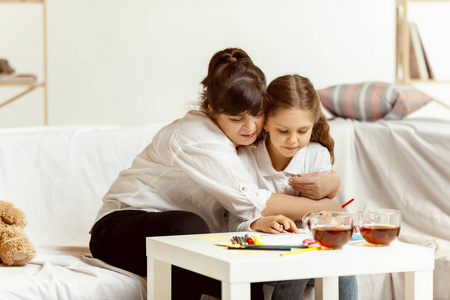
[282,209]
[296,207]
[317,185]
[274,224]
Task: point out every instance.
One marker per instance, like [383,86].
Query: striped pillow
[371,101]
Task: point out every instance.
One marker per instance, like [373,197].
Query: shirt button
[244,188]
[225,215]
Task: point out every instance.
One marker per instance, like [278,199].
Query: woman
[189,178]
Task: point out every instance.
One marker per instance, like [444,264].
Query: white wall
[135,62]
[433,24]
[21,43]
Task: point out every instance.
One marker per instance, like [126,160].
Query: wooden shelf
[445,81]
[15,1]
[31,86]
[428,0]
[402,71]
[22,84]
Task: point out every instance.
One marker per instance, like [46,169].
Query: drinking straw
[348,202]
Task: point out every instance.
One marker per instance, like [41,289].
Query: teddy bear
[5,68]
[15,247]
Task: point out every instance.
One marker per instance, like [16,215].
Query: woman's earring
[211,112]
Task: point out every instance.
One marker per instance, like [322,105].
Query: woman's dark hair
[297,92]
[233,85]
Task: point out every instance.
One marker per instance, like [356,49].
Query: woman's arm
[317,185]
[295,207]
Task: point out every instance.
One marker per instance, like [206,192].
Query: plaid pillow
[371,101]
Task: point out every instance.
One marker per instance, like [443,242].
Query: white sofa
[57,175]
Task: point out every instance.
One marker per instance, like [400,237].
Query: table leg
[326,288]
[159,279]
[236,291]
[419,285]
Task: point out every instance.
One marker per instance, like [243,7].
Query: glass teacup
[330,229]
[380,226]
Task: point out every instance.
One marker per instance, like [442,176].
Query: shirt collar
[265,164]
[296,166]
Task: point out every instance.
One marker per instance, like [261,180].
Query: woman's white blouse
[312,158]
[190,165]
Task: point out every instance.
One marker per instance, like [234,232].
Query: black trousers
[119,240]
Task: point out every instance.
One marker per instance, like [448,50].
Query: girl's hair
[297,92]
[233,85]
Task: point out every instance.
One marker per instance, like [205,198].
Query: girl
[297,141]
[188,180]
[297,136]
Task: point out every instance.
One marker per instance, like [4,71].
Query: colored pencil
[277,246]
[300,251]
[259,248]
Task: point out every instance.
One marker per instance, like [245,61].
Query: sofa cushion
[69,273]
[371,101]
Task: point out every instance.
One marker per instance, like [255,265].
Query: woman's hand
[274,224]
[316,185]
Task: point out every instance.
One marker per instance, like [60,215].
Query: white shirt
[312,158]
[190,165]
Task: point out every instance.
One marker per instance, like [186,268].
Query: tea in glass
[380,226]
[330,229]
[332,237]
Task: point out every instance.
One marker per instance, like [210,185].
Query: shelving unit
[402,72]
[44,84]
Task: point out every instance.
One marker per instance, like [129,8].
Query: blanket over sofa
[57,175]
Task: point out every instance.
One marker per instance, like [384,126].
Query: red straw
[350,201]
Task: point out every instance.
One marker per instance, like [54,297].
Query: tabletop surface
[202,254]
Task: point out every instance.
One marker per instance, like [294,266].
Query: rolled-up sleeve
[217,169]
[237,224]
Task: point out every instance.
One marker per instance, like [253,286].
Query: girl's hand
[316,185]
[274,224]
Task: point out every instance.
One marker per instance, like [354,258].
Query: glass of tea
[330,230]
[380,226]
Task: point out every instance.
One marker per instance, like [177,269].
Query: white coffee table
[238,268]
